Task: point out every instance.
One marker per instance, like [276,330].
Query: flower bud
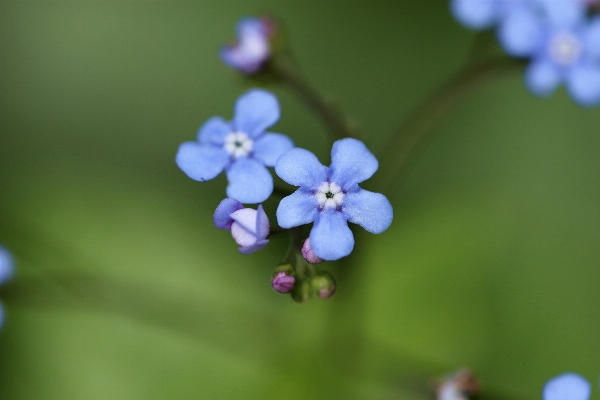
[323,285]
[308,254]
[249,228]
[283,278]
[301,292]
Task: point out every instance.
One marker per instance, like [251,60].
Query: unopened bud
[283,278]
[323,285]
[308,254]
[301,292]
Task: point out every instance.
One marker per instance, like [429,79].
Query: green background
[125,290]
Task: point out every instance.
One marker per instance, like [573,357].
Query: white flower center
[238,144]
[329,195]
[255,46]
[564,48]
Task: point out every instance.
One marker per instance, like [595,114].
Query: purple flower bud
[283,283]
[248,227]
[283,278]
[308,254]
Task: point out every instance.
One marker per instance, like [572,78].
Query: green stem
[419,128]
[331,117]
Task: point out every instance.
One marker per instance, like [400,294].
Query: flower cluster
[559,38]
[328,196]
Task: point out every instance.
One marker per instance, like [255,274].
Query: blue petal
[476,14]
[542,77]
[262,223]
[255,111]
[583,84]
[568,386]
[372,211]
[351,163]
[249,181]
[7,265]
[520,34]
[330,238]
[201,162]
[221,217]
[214,131]
[246,218]
[269,147]
[250,26]
[297,209]
[254,247]
[591,37]
[564,13]
[300,167]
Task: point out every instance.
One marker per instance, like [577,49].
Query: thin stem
[331,117]
[419,127]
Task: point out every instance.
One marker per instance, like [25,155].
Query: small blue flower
[252,49]
[7,270]
[564,46]
[568,386]
[241,147]
[330,196]
[248,227]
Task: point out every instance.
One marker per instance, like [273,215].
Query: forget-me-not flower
[568,386]
[248,227]
[564,46]
[241,147]
[252,49]
[7,269]
[330,196]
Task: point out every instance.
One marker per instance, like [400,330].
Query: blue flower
[330,196]
[252,49]
[7,270]
[564,46]
[241,147]
[568,386]
[248,227]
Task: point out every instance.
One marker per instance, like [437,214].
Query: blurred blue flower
[331,196]
[248,227]
[252,49]
[7,270]
[564,46]
[241,147]
[481,14]
[568,386]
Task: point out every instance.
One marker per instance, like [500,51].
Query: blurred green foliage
[125,290]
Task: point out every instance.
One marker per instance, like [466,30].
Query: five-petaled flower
[564,46]
[568,386]
[248,227]
[252,50]
[7,269]
[330,196]
[241,147]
